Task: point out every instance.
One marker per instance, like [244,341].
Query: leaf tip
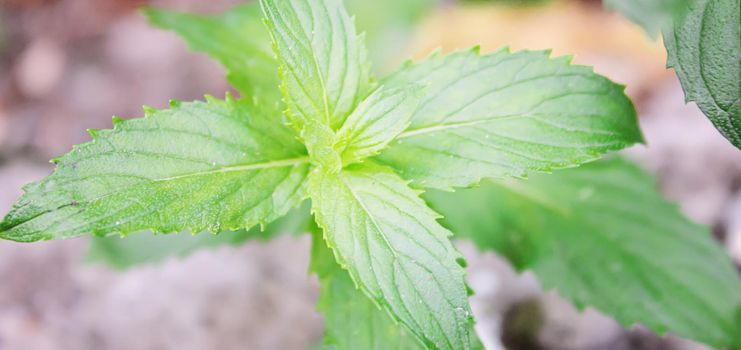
[229,97]
[210,98]
[262,224]
[567,60]
[407,63]
[461,262]
[437,52]
[148,110]
[469,290]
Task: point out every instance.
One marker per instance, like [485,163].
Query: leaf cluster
[313,122]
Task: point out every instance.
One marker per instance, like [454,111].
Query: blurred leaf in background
[602,235]
[387,25]
[243,45]
[651,15]
[511,2]
[145,247]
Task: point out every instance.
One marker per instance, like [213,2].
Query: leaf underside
[603,237]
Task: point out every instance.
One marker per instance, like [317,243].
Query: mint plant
[703,43]
[313,122]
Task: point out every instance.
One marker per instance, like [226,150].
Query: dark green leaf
[651,15]
[704,48]
[603,237]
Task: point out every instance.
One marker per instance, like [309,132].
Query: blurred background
[69,65]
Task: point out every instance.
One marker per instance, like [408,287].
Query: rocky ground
[68,65]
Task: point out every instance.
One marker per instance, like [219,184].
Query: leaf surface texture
[215,165]
[394,249]
[505,114]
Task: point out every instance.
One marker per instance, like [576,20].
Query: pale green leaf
[351,320]
[603,237]
[148,248]
[216,165]
[322,61]
[377,120]
[704,48]
[394,249]
[651,15]
[504,114]
[237,38]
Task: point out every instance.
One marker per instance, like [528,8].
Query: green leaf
[216,165]
[394,249]
[604,237]
[351,320]
[322,61]
[148,248]
[651,15]
[237,38]
[704,48]
[504,114]
[377,120]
